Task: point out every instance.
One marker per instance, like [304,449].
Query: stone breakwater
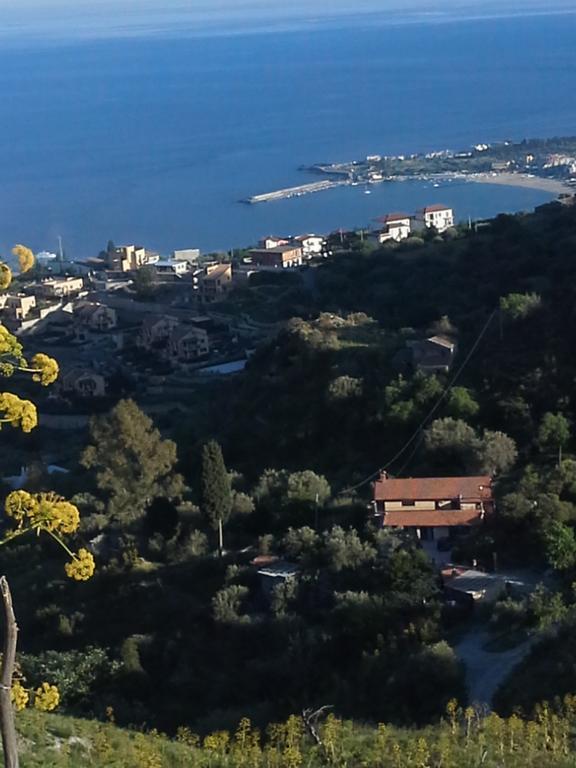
[284,194]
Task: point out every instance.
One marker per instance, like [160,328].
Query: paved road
[485,670]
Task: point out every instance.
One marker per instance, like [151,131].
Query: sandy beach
[554,186]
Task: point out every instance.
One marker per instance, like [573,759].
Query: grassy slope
[54,741]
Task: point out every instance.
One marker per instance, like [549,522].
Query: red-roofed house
[439,216]
[396,227]
[433,507]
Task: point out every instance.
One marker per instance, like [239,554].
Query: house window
[407,503]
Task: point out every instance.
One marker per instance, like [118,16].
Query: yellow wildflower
[17,412]
[5,276]
[20,505]
[19,696]
[82,567]
[9,344]
[45,511]
[66,516]
[45,369]
[53,513]
[47,697]
[25,257]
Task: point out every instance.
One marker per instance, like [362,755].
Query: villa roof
[431,518]
[473,488]
[390,217]
[435,208]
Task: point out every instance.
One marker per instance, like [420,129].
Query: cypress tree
[216,489]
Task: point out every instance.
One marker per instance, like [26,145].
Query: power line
[438,403]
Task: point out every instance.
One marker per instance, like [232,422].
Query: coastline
[554,186]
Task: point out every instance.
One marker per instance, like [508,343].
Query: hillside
[52,741]
[169,634]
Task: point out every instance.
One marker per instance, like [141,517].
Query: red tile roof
[387,218]
[432,518]
[477,488]
[436,207]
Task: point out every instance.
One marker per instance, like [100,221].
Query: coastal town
[159,323]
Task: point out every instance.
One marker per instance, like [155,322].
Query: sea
[153,134]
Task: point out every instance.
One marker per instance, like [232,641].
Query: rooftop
[471,580]
[474,488]
[216,272]
[442,341]
[278,249]
[435,208]
[432,518]
[169,263]
[390,217]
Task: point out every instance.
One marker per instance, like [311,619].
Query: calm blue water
[154,139]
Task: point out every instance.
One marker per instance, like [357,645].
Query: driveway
[486,670]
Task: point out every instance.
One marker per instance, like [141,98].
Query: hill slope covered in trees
[169,634]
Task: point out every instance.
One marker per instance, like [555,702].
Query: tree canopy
[133,463]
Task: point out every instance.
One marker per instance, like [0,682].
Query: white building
[396,227]
[171,267]
[312,245]
[191,255]
[58,287]
[439,216]
[271,241]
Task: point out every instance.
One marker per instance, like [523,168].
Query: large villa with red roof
[433,507]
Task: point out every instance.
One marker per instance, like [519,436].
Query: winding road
[486,670]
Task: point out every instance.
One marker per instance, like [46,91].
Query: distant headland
[546,164]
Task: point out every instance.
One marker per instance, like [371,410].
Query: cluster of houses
[399,226]
[175,341]
[96,333]
[90,304]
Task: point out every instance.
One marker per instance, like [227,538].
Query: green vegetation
[464,738]
[310,603]
[216,489]
[133,464]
